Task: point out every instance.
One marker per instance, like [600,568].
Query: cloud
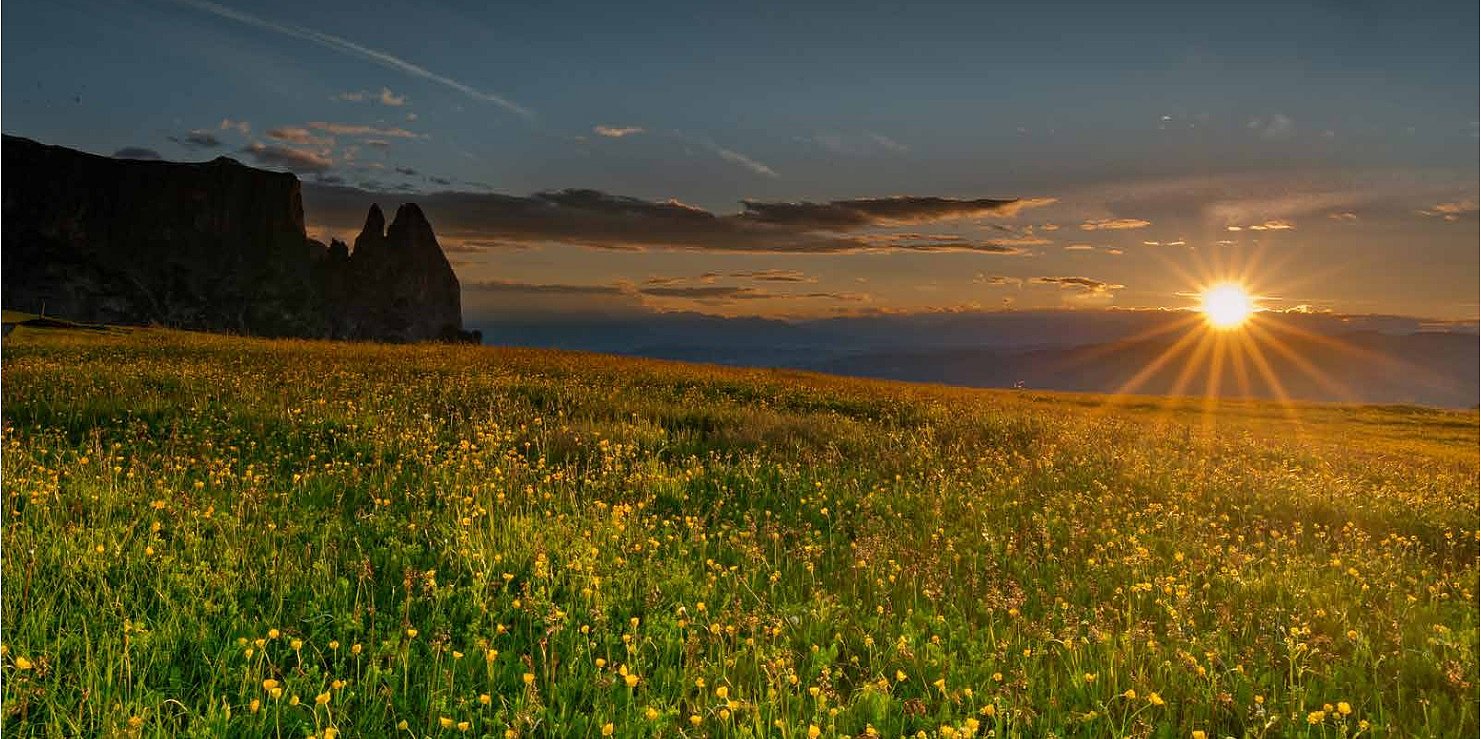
[596,219]
[916,242]
[350,48]
[774,275]
[355,129]
[1271,225]
[242,127]
[1079,247]
[758,275]
[986,279]
[1452,212]
[707,292]
[295,160]
[891,211]
[389,98]
[1274,126]
[1114,224]
[136,152]
[699,293]
[1082,284]
[384,97]
[408,171]
[617,132]
[200,138]
[857,144]
[737,158]
[298,135]
[546,288]
[886,142]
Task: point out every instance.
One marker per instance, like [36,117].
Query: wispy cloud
[857,144]
[617,132]
[295,135]
[389,98]
[1083,284]
[1274,126]
[735,157]
[296,160]
[1452,211]
[350,48]
[891,211]
[198,139]
[1271,225]
[384,97]
[697,293]
[355,129]
[1114,224]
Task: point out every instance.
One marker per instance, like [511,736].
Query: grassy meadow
[217,536]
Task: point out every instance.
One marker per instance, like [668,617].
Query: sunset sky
[764,160]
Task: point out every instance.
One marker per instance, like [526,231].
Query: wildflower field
[217,536]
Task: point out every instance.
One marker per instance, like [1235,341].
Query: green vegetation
[213,536]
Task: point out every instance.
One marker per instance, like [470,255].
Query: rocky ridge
[215,246]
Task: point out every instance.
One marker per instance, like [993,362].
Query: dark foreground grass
[212,536]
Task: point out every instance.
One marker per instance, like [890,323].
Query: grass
[215,536]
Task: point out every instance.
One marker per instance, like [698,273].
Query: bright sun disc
[1227,306]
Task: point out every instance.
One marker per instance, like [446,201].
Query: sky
[839,159]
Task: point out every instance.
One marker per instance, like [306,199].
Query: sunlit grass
[230,537]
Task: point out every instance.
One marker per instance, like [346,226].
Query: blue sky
[1348,128]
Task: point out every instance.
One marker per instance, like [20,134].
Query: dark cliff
[216,246]
[397,284]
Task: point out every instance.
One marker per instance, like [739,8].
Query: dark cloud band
[596,219]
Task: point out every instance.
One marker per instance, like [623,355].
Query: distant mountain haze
[1316,357]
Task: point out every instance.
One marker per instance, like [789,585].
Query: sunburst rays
[1230,341]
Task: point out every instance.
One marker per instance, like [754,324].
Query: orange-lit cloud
[1271,225]
[296,160]
[890,211]
[1452,211]
[1114,224]
[617,132]
[352,129]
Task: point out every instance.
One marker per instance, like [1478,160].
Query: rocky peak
[374,230]
[411,227]
[218,246]
[399,284]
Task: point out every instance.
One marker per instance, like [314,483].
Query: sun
[1227,305]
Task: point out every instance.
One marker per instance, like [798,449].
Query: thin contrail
[351,48]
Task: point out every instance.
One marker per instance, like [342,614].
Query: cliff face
[217,246]
[397,283]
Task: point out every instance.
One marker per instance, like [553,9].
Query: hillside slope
[227,536]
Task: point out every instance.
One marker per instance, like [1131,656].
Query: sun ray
[1302,363]
[1416,373]
[1241,370]
[1135,382]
